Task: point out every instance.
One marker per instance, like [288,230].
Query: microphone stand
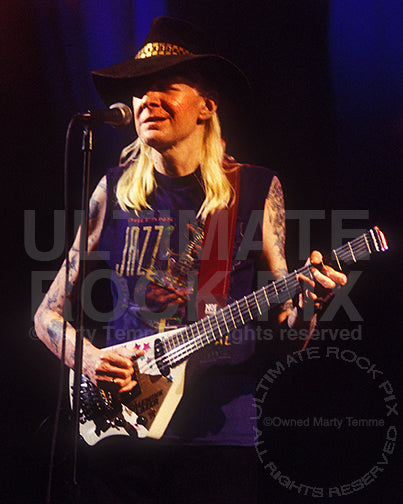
[87,151]
[118,115]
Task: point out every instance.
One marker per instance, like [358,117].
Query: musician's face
[171,112]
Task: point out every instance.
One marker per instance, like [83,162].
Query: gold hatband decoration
[160,49]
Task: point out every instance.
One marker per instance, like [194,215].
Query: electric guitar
[147,409]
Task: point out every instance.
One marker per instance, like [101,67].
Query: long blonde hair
[137,181]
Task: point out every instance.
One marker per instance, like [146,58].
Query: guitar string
[187,347]
[176,354]
[193,343]
[203,337]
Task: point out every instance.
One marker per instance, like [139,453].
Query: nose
[150,99]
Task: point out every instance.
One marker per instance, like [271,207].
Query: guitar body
[143,412]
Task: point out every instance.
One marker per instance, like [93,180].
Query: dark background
[327,81]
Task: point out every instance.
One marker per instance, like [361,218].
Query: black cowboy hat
[172,45]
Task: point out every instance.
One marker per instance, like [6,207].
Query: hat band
[160,49]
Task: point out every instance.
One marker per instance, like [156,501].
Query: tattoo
[66,289]
[74,256]
[102,184]
[52,300]
[94,209]
[69,287]
[277,213]
[55,329]
[73,264]
[279,273]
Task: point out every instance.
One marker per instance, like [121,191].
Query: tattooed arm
[274,258]
[98,365]
[274,238]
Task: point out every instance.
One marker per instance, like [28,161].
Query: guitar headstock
[361,247]
[378,239]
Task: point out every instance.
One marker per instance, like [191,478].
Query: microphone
[118,115]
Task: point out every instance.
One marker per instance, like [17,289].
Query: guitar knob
[120,422]
[142,420]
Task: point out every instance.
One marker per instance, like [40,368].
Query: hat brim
[119,83]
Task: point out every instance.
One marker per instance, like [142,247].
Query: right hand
[110,368]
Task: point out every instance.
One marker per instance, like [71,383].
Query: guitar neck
[193,337]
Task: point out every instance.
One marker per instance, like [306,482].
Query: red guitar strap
[216,258]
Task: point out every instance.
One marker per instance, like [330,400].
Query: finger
[306,280]
[108,368]
[316,258]
[310,295]
[319,270]
[324,280]
[127,388]
[337,276]
[114,375]
[118,385]
[120,358]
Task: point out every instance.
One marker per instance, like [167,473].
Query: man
[151,215]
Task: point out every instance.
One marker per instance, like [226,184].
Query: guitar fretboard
[195,336]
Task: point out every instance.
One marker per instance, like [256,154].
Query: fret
[189,345]
[178,337]
[197,328]
[169,358]
[240,313]
[232,317]
[196,339]
[204,330]
[286,286]
[211,328]
[351,252]
[337,259]
[221,311]
[367,244]
[374,240]
[191,330]
[218,325]
[275,288]
[265,295]
[187,348]
[225,322]
[257,304]
[169,343]
[164,351]
[172,342]
[247,306]
[189,335]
